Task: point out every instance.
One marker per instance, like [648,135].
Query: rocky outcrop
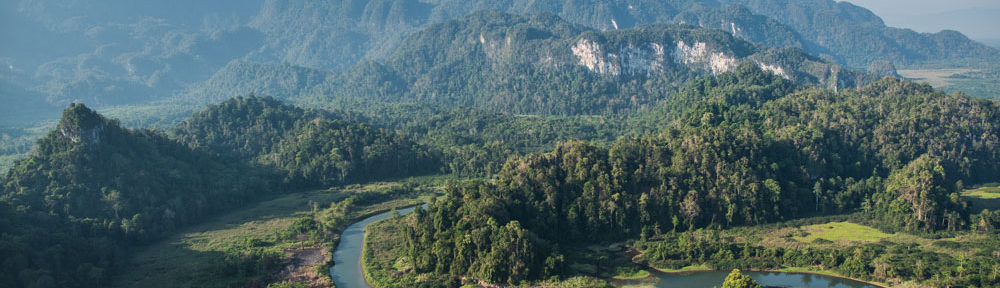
[81,125]
[698,54]
[593,57]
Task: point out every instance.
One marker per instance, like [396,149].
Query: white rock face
[593,57]
[775,69]
[699,54]
[645,59]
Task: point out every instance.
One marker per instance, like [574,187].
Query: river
[347,271]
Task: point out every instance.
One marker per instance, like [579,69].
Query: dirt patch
[302,267]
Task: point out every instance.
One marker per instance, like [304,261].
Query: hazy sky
[979,19]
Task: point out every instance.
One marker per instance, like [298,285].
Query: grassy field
[973,82]
[936,77]
[986,196]
[692,268]
[844,233]
[194,257]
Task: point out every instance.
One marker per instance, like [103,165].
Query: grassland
[981,83]
[986,196]
[936,77]
[194,257]
[845,233]
[841,234]
[691,268]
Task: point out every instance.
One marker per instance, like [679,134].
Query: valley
[443,143]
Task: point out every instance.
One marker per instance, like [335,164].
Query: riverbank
[366,253]
[197,256]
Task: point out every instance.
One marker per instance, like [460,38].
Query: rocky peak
[80,124]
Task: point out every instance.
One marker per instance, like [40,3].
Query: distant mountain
[541,64]
[118,52]
[978,23]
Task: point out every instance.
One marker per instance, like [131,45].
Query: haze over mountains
[974,18]
[137,52]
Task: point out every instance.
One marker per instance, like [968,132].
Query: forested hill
[93,187]
[749,153]
[311,147]
[541,64]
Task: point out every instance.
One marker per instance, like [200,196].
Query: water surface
[715,278]
[346,271]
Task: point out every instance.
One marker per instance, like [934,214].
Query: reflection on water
[715,279]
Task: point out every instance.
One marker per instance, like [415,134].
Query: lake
[715,278]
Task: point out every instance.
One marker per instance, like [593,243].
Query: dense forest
[93,187]
[750,153]
[313,148]
[678,132]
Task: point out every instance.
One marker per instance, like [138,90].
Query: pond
[711,279]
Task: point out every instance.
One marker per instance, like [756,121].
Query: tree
[738,280]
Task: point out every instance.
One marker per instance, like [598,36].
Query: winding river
[347,271]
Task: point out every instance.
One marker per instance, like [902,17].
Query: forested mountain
[581,122]
[749,153]
[92,188]
[113,53]
[541,64]
[856,37]
[313,148]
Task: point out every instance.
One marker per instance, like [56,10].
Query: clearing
[843,233]
[936,77]
[986,196]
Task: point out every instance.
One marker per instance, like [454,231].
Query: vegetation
[203,255]
[738,280]
[593,133]
[733,159]
[538,65]
[312,148]
[94,187]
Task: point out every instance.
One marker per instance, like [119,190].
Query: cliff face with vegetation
[152,51]
[541,64]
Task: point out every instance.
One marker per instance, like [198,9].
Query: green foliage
[751,150]
[311,147]
[919,196]
[92,186]
[533,65]
[736,279]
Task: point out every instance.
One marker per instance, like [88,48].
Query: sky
[978,19]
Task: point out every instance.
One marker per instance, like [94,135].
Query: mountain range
[136,52]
